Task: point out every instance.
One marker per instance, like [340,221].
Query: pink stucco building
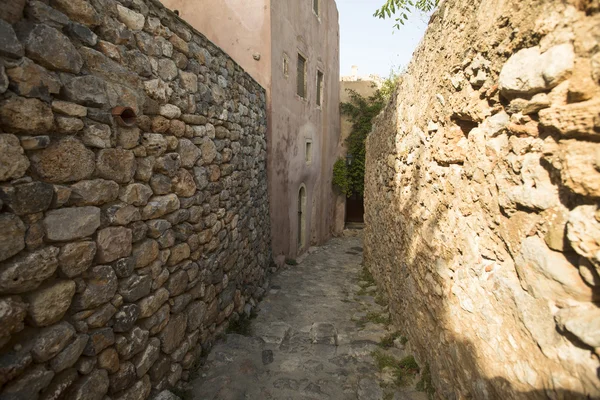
[292,49]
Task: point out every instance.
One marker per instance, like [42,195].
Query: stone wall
[123,250]
[483,181]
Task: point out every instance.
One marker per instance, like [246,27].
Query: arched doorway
[301,217]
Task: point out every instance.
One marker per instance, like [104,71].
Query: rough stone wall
[123,251]
[483,180]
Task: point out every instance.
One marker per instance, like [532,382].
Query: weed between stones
[404,370]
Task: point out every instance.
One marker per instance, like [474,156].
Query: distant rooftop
[355,77]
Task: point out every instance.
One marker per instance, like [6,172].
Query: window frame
[320,88]
[304,95]
[308,150]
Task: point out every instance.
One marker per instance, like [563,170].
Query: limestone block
[109,360]
[79,10]
[160,205]
[168,164]
[51,341]
[68,224]
[116,164]
[155,144]
[101,286]
[93,192]
[135,287]
[189,81]
[69,356]
[19,114]
[134,21]
[90,387]
[67,160]
[529,71]
[583,322]
[174,333]
[578,119]
[145,252]
[131,343]
[579,167]
[123,378]
[28,385]
[97,135]
[68,125]
[49,304]
[150,304]
[99,340]
[27,272]
[12,235]
[50,48]
[75,258]
[209,151]
[170,111]
[12,315]
[177,282]
[188,152]
[183,184]
[548,274]
[31,80]
[113,243]
[88,90]
[158,90]
[583,232]
[9,44]
[126,317]
[144,360]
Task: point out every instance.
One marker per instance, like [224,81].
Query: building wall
[241,28]
[124,251]
[482,200]
[296,120]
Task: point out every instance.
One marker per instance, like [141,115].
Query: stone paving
[321,332]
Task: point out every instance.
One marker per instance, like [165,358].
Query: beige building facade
[292,49]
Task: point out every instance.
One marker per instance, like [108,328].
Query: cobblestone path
[321,332]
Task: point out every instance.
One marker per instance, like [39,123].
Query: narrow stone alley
[321,332]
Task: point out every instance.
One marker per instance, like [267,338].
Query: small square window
[301,77]
[319,88]
[308,152]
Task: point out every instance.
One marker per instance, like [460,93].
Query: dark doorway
[355,208]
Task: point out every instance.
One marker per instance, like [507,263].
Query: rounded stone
[183,184]
[75,258]
[14,162]
[49,304]
[12,235]
[113,243]
[101,286]
[67,224]
[19,114]
[51,341]
[116,164]
[65,161]
[12,314]
[27,272]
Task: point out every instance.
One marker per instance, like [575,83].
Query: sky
[372,43]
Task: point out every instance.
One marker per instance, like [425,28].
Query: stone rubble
[124,251]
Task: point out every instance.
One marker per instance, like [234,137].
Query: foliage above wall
[402,8]
[349,176]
